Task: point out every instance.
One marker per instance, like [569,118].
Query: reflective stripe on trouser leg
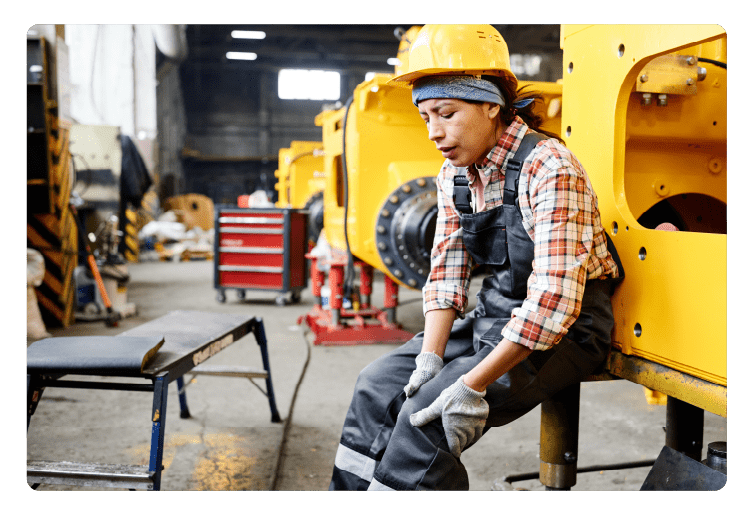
[356,463]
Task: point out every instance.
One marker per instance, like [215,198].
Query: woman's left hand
[463,412]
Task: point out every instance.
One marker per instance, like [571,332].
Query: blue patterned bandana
[462,87]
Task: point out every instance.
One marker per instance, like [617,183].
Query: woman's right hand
[428,366]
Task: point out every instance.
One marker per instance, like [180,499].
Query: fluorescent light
[248,34]
[241,55]
[309,84]
[393,61]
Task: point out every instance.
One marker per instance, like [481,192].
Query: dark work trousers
[381,450]
[380,446]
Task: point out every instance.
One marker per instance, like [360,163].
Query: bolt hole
[570,67]
[621,50]
[615,228]
[637,330]
[642,254]
[568,131]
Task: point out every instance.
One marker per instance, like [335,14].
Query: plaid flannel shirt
[559,211]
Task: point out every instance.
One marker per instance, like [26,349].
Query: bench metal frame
[160,374]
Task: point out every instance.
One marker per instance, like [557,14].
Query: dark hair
[527,113]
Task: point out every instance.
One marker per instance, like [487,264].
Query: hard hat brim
[407,79]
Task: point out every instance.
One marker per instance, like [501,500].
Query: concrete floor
[230,443]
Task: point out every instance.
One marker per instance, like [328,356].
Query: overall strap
[514,166]
[462,195]
[461,192]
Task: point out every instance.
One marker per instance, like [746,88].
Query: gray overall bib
[380,449]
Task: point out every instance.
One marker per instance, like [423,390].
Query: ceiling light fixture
[241,55]
[248,34]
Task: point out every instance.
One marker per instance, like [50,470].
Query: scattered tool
[113,317]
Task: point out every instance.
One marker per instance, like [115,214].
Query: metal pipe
[588,469]
[559,439]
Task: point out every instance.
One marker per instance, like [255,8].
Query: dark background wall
[222,122]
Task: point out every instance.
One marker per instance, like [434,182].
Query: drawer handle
[249,268]
[251,250]
[250,220]
[257,231]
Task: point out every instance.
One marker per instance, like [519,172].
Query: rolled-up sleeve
[564,213]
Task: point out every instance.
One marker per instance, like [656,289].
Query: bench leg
[34,391]
[559,439]
[183,398]
[158,421]
[260,334]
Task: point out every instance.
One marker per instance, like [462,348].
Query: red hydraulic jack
[364,324]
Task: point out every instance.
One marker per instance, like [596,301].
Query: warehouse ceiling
[235,118]
[353,47]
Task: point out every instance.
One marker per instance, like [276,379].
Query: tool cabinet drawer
[260,248]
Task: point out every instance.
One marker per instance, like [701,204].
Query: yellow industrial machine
[390,167]
[645,110]
[301,182]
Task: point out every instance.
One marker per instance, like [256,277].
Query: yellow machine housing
[646,114]
[300,175]
[301,181]
[391,169]
[387,146]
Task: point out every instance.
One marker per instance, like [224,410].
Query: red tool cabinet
[260,249]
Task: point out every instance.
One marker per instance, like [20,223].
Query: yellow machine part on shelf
[300,174]
[645,111]
[391,169]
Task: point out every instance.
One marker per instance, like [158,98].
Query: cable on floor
[288,420]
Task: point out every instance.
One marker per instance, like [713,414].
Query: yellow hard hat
[457,50]
[403,53]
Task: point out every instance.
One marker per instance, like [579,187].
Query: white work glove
[428,366]
[462,411]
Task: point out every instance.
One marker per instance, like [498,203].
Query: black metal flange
[405,229]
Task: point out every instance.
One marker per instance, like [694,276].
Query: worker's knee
[369,375]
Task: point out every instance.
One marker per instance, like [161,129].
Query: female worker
[543,316]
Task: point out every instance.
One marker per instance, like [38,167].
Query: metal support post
[316,280]
[336,280]
[559,439]
[260,334]
[34,391]
[390,298]
[158,421]
[366,284]
[182,396]
[684,428]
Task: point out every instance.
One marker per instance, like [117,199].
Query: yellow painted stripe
[50,306]
[51,222]
[54,284]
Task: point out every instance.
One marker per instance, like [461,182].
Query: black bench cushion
[92,355]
